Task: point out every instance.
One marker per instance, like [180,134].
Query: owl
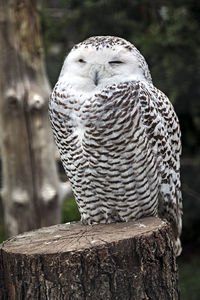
[118,135]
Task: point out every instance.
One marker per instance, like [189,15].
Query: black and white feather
[118,136]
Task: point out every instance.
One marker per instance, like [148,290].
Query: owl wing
[162,127]
[55,117]
[60,123]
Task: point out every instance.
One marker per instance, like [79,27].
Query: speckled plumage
[118,135]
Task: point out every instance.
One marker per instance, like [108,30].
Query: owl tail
[177,247]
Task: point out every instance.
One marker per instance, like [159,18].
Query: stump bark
[132,260]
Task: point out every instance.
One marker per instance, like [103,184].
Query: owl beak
[96,77]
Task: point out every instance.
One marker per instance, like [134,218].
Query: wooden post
[132,260]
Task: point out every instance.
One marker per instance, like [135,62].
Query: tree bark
[31,188]
[132,260]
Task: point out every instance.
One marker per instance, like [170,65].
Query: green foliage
[2,233]
[2,227]
[189,277]
[70,211]
[191,202]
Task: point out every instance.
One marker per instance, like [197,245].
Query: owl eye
[115,62]
[81,61]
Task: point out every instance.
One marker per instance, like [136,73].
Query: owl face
[88,68]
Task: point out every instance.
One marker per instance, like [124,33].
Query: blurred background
[167,34]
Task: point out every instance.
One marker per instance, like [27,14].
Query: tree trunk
[132,260]
[31,188]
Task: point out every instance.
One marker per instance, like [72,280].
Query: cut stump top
[71,237]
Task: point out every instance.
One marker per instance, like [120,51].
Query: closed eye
[81,60]
[117,62]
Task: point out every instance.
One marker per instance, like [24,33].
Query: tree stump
[133,260]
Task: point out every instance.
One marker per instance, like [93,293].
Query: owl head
[101,61]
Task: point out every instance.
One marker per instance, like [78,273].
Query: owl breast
[106,153]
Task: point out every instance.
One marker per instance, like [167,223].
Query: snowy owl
[118,135]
